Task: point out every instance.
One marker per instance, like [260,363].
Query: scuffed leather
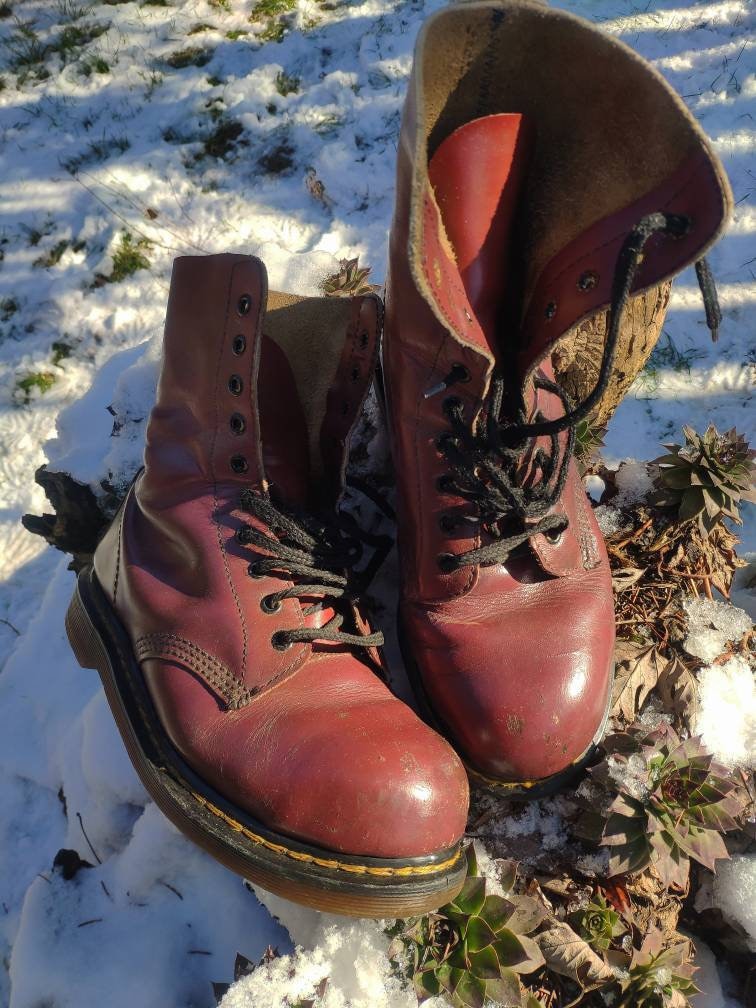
[518,672]
[313,744]
[516,663]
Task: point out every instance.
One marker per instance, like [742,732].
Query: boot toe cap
[330,759]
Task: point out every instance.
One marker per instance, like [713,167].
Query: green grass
[70,10]
[73,37]
[60,351]
[26,51]
[191,56]
[53,257]
[271,8]
[666,355]
[223,139]
[42,380]
[236,34]
[267,13]
[98,151]
[129,257]
[286,84]
[278,160]
[201,27]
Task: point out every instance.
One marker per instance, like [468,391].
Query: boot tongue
[477,174]
[283,428]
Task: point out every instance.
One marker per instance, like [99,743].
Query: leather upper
[308,739]
[515,660]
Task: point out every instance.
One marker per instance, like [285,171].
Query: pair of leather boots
[545,174]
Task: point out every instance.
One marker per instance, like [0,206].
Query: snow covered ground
[131,133]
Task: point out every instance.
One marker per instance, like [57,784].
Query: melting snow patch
[733,891]
[727,715]
[711,625]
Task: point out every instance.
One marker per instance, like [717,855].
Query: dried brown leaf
[567,954]
[635,677]
[677,689]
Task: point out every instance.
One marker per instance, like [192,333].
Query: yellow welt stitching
[326,862]
[404,872]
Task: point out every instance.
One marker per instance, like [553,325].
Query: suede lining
[303,329]
[608,128]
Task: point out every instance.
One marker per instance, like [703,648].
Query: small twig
[199,952]
[9,624]
[169,886]
[105,890]
[89,843]
[95,920]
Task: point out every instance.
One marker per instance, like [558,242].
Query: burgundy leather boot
[221,612]
[545,173]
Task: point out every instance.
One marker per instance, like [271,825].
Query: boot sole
[325,880]
[517,790]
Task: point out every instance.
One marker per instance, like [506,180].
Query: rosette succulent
[472,950]
[671,802]
[658,977]
[597,923]
[350,279]
[706,478]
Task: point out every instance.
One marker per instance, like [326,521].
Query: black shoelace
[320,558]
[487,460]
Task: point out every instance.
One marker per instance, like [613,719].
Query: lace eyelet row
[237,421]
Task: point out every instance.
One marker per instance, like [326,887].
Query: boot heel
[82,636]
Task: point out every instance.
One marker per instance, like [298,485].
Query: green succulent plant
[472,950]
[706,478]
[658,977]
[671,802]
[597,923]
[350,279]
[589,438]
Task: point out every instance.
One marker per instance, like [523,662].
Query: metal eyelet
[551,310]
[253,572]
[244,304]
[269,607]
[459,373]
[444,440]
[239,344]
[446,523]
[237,423]
[275,640]
[451,403]
[554,539]
[446,562]
[235,384]
[588,280]
[239,464]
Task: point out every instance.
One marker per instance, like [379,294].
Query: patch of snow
[351,954]
[711,626]
[727,714]
[733,891]
[609,519]
[707,980]
[633,482]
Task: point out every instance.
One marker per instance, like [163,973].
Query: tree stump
[577,360]
[80,518]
